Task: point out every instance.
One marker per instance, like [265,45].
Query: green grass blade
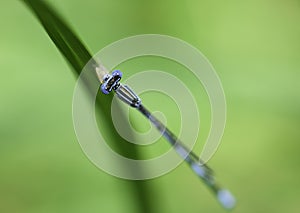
[63,37]
[77,56]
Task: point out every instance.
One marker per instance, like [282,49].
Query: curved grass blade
[77,56]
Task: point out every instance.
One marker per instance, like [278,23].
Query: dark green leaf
[77,56]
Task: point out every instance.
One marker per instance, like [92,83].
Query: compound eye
[103,89]
[117,73]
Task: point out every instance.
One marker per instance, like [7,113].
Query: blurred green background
[255,49]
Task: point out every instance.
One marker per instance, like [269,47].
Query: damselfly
[111,82]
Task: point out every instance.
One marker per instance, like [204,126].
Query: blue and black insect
[111,82]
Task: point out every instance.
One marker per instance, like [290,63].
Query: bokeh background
[255,49]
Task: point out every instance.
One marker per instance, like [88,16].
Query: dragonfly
[110,82]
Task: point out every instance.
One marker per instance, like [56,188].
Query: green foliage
[254,46]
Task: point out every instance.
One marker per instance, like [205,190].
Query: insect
[111,82]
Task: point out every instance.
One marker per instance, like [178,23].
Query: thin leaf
[77,56]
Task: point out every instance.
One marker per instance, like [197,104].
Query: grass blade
[77,56]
